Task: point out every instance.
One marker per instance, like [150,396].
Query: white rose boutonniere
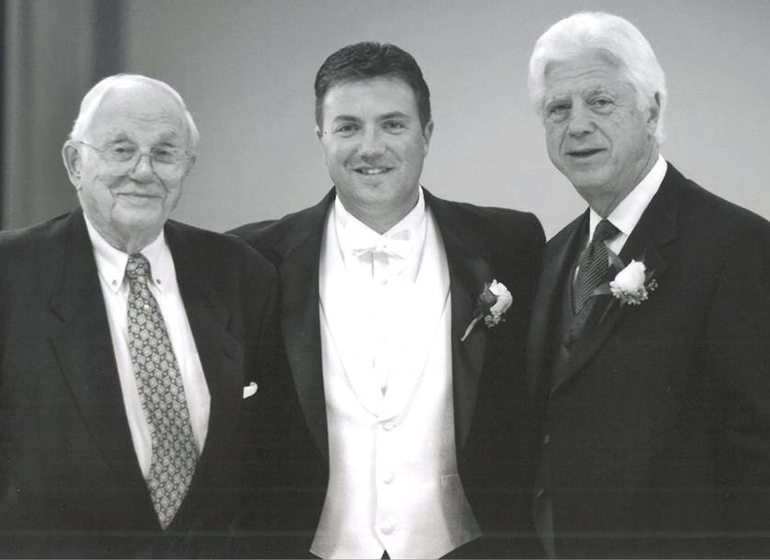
[492,303]
[632,284]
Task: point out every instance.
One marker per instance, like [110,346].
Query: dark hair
[367,60]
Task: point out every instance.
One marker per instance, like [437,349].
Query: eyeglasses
[125,155]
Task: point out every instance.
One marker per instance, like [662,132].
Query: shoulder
[37,239]
[219,250]
[275,238]
[506,223]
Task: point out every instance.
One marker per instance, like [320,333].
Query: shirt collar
[111,262]
[353,233]
[627,214]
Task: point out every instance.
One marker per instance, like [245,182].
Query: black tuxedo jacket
[655,419]
[70,483]
[481,244]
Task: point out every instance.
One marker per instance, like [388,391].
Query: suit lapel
[464,243]
[219,352]
[84,349]
[300,323]
[656,228]
[558,263]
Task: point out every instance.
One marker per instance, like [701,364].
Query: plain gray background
[246,70]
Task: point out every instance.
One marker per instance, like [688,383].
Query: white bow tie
[399,246]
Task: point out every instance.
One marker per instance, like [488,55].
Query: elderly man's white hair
[96,94]
[614,37]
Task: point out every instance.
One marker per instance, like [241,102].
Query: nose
[580,121]
[371,144]
[143,170]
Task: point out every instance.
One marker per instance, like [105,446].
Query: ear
[319,133]
[190,164]
[73,162]
[427,132]
[654,112]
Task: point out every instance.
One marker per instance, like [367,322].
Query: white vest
[393,482]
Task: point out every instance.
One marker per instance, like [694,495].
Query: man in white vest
[403,321]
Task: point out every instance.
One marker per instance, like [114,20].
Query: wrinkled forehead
[138,112]
[587,69]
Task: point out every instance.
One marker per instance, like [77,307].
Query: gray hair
[96,94]
[613,36]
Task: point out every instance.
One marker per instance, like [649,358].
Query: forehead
[373,96]
[138,111]
[586,71]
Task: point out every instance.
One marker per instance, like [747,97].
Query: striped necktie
[594,264]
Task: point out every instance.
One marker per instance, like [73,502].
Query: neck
[609,199]
[381,218]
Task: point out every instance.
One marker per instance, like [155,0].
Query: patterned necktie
[174,450]
[594,263]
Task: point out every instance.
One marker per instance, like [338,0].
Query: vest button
[539,492]
[388,478]
[546,439]
[387,426]
[388,529]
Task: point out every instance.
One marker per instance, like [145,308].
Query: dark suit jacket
[482,244]
[655,420]
[70,484]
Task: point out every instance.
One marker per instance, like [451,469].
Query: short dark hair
[367,60]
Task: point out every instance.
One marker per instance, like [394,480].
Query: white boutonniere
[492,303]
[632,283]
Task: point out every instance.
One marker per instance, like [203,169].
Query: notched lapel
[469,269]
[84,348]
[300,322]
[559,263]
[656,228]
[220,352]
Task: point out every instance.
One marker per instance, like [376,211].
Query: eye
[557,112]
[121,152]
[166,154]
[346,129]
[394,126]
[601,103]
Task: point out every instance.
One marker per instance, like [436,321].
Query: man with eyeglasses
[130,348]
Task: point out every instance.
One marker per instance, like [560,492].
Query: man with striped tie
[648,353]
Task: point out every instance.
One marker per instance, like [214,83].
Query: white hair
[93,99]
[614,37]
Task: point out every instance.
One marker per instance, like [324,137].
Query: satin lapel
[300,323]
[656,228]
[468,271]
[84,349]
[560,257]
[220,353]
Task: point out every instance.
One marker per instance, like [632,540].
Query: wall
[246,69]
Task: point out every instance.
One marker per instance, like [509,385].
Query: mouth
[371,170]
[137,195]
[584,153]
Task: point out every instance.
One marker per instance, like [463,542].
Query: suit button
[387,426]
[388,530]
[546,439]
[388,478]
[539,492]
[568,341]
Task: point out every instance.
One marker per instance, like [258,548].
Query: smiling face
[374,148]
[128,202]
[595,132]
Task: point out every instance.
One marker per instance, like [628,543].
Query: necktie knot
[138,267]
[604,230]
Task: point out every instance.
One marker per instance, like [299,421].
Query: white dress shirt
[627,214]
[111,264]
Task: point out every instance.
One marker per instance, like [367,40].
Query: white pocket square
[250,390]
